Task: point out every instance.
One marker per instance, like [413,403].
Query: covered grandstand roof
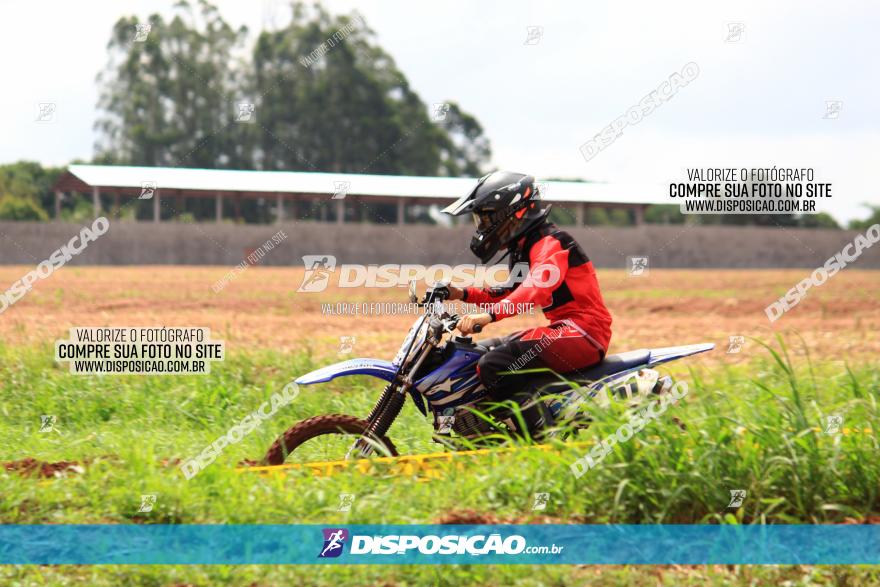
[203,182]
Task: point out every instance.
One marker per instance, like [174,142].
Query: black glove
[437,292]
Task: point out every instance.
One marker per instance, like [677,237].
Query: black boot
[535,414]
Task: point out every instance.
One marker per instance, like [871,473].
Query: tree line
[317,94]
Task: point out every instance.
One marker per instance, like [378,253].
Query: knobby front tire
[317,426]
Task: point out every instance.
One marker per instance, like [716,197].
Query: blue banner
[439,544]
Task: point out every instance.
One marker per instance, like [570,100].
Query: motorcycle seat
[610,365]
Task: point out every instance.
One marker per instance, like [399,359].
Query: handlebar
[441,293]
[455,320]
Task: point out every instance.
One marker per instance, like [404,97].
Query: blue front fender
[373,367]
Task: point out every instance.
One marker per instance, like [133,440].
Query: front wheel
[323,438]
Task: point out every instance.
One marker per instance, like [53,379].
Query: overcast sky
[760,101]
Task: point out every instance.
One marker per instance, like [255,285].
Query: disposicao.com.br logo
[321,269]
[431,544]
[334,541]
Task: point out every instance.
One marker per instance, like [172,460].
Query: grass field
[752,420]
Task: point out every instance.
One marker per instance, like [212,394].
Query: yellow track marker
[423,464]
[847,431]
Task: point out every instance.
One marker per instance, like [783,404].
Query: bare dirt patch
[30,467]
[261,309]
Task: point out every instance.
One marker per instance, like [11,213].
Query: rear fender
[671,353]
[373,367]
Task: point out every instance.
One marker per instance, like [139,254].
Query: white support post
[279,216]
[639,215]
[401,211]
[581,213]
[96,200]
[218,207]
[156,205]
[58,196]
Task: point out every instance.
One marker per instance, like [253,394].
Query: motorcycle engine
[469,424]
[462,422]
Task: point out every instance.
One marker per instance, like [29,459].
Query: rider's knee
[487,371]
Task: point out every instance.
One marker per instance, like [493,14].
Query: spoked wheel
[323,438]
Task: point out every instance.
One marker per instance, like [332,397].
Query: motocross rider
[507,210]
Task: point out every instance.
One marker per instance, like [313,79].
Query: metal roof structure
[352,192]
[326,184]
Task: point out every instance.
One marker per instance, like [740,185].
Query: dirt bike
[441,377]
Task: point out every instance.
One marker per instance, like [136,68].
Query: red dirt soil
[261,309]
[30,467]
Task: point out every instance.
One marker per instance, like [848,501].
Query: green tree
[664,214]
[331,99]
[325,96]
[465,150]
[168,98]
[820,220]
[871,220]
[28,180]
[18,208]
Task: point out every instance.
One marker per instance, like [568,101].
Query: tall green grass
[752,428]
[748,427]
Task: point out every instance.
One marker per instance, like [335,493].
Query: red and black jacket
[573,296]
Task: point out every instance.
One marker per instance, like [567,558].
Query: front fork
[387,409]
[383,400]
